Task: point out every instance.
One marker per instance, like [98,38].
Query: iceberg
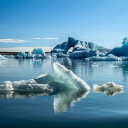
[80,48]
[29,85]
[121,51]
[109,88]
[38,51]
[61,79]
[81,54]
[21,55]
[30,55]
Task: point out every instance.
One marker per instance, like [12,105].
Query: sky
[46,23]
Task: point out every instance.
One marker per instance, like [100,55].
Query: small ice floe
[94,65]
[115,66]
[110,57]
[2,57]
[109,88]
[54,56]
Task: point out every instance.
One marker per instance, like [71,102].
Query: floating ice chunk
[94,65]
[109,88]
[101,54]
[30,55]
[106,58]
[80,54]
[121,51]
[2,57]
[77,46]
[21,55]
[61,79]
[9,56]
[29,85]
[7,85]
[38,51]
[69,78]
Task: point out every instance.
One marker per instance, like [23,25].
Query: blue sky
[38,23]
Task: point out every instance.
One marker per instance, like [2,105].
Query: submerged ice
[109,88]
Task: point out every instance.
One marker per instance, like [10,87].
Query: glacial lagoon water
[68,108]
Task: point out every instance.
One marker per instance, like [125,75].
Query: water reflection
[3,62]
[66,99]
[16,94]
[62,100]
[124,67]
[108,93]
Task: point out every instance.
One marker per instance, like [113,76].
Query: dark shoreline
[9,53]
[14,53]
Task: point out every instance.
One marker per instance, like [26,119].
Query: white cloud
[14,41]
[50,38]
[37,38]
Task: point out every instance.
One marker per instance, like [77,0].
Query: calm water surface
[64,109]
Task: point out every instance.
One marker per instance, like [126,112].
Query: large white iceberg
[21,55]
[61,79]
[109,88]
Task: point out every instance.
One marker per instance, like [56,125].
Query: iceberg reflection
[13,94]
[67,98]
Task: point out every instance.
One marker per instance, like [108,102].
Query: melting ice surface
[65,83]
[109,88]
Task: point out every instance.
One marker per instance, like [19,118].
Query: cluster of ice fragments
[81,49]
[37,53]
